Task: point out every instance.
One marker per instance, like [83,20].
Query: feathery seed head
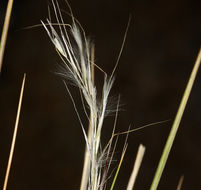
[74,50]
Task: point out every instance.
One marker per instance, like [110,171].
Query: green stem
[119,166]
[175,125]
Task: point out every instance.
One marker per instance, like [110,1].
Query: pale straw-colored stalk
[86,165]
[5,31]
[14,135]
[136,167]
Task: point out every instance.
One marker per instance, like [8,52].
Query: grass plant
[78,67]
[75,48]
[75,51]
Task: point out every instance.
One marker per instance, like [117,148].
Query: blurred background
[163,40]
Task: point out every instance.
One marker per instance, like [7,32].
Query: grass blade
[175,125]
[14,135]
[5,31]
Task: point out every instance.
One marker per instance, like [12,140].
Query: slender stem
[92,62]
[5,31]
[180,182]
[94,155]
[136,167]
[119,166]
[14,135]
[175,125]
[86,167]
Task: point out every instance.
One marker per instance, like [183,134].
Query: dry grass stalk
[181,180]
[136,167]
[14,135]
[86,165]
[5,31]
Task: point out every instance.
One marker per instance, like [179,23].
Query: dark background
[162,44]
